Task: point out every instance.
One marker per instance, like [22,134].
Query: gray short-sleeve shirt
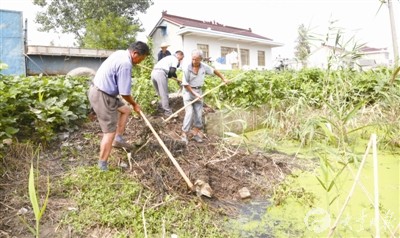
[114,76]
[196,80]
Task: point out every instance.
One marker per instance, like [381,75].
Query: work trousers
[193,113]
[160,82]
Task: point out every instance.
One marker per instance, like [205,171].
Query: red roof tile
[215,26]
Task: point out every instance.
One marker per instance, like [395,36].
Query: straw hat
[164,44]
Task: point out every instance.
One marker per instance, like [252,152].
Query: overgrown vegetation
[38,209]
[36,108]
[115,201]
[325,110]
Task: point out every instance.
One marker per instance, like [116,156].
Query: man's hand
[196,95]
[177,80]
[131,101]
[136,108]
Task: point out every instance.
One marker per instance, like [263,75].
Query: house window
[245,56]
[230,56]
[204,48]
[261,58]
[163,30]
[226,50]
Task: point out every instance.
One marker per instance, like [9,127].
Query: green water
[305,209]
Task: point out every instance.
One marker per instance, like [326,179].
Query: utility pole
[394,35]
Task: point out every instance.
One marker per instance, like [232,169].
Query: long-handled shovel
[193,101]
[197,99]
[204,188]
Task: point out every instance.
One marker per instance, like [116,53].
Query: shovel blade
[203,188]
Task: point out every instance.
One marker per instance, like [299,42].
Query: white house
[324,54]
[369,57]
[226,46]
[373,57]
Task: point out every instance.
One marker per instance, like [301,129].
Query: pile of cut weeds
[226,168]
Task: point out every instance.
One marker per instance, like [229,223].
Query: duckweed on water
[296,217]
[302,207]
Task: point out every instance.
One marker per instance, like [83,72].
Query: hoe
[200,187]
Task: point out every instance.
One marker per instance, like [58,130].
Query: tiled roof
[371,49]
[215,26]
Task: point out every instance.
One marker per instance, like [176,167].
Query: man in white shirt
[163,70]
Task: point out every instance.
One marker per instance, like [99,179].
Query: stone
[244,193]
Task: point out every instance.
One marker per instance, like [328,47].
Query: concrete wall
[238,121]
[45,60]
[54,60]
[59,65]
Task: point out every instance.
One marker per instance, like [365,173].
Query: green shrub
[38,107]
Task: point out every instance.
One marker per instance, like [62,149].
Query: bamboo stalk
[395,230]
[332,230]
[376,186]
[385,223]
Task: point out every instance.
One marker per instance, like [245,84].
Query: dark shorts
[106,108]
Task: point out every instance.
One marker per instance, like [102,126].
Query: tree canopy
[79,17]
[112,32]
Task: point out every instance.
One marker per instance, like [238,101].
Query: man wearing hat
[163,52]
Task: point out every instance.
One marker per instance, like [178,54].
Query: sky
[362,20]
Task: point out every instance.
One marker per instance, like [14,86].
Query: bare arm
[216,72]
[130,100]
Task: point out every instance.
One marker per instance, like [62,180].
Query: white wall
[188,42]
[381,57]
[170,37]
[319,58]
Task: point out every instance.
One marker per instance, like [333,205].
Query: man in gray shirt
[114,78]
[164,69]
[193,80]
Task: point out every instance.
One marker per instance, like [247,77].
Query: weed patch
[114,200]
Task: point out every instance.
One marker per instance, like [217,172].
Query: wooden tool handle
[193,101]
[168,152]
[204,94]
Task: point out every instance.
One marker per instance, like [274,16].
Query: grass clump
[113,200]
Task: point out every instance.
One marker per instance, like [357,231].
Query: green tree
[74,16]
[112,32]
[302,49]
